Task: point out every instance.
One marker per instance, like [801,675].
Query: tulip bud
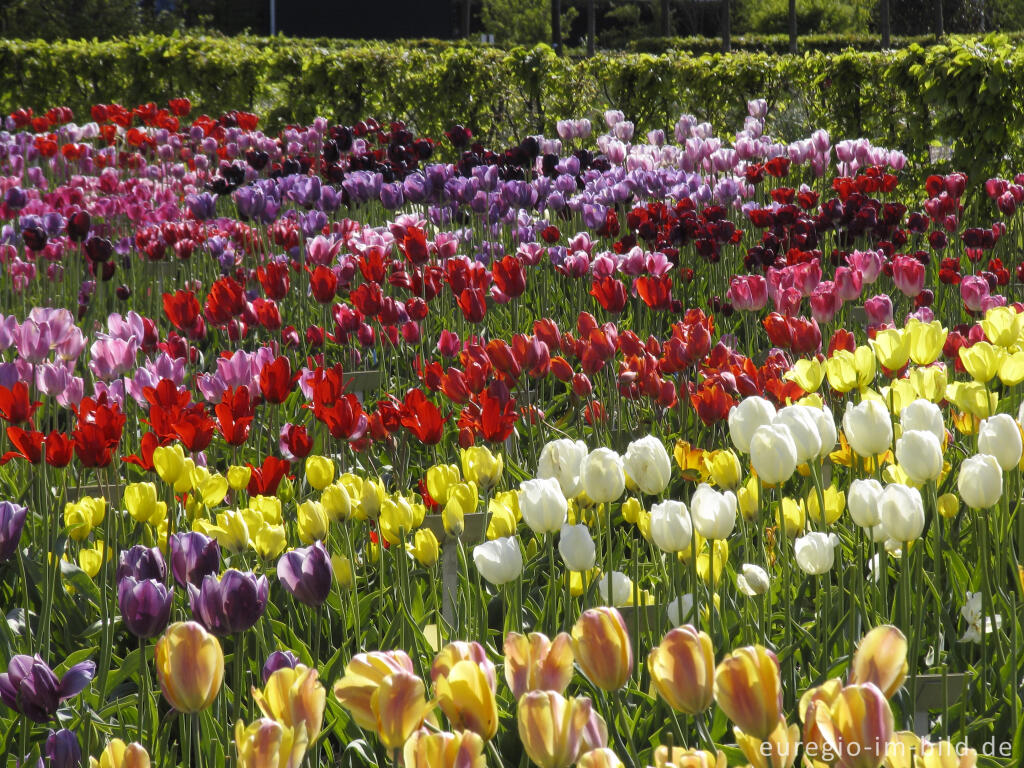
[602,475]
[319,471]
[577,548]
[189,666]
[562,460]
[117,754]
[949,505]
[919,455]
[748,688]
[682,669]
[482,467]
[647,463]
[868,428]
[499,561]
[981,481]
[427,749]
[713,513]
[881,658]
[1000,436]
[746,418]
[238,477]
[773,453]
[902,511]
[602,648]
[536,663]
[425,548]
[543,506]
[863,502]
[752,580]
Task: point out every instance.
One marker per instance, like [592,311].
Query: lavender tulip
[30,687]
[12,522]
[142,563]
[278,660]
[193,557]
[145,605]
[306,574]
[62,749]
[231,605]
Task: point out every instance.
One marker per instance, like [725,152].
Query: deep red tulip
[422,417]
[323,283]
[275,279]
[276,380]
[15,406]
[182,309]
[265,478]
[509,276]
[235,413]
[610,294]
[473,304]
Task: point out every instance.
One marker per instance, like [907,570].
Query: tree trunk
[883,7]
[792,27]
[939,23]
[467,15]
[664,18]
[591,27]
[556,25]
[726,26]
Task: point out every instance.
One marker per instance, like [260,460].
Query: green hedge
[779,44]
[965,93]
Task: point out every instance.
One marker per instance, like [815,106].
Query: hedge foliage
[964,93]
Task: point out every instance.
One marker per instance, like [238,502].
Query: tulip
[802,422]
[881,658]
[671,529]
[363,676]
[616,590]
[748,688]
[1000,436]
[746,418]
[267,743]
[543,506]
[563,460]
[602,648]
[189,666]
[278,660]
[930,383]
[306,574]
[714,513]
[230,605]
[600,758]
[399,706]
[239,477]
[425,548]
[117,754]
[807,373]
[63,750]
[926,341]
[577,548]
[430,749]
[312,521]
[536,663]
[463,500]
[981,481]
[193,557]
[293,697]
[815,552]
[141,502]
[336,502]
[724,468]
[835,503]
[12,522]
[30,687]
[145,605]
[859,726]
[892,348]
[945,754]
[682,669]
[441,478]
[982,360]
[499,561]
[779,750]
[773,453]
[602,475]
[920,455]
[482,467]
[552,728]
[466,697]
[647,463]
[399,517]
[319,471]
[868,428]
[681,757]
[752,580]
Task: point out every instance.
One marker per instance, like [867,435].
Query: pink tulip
[849,283]
[974,290]
[825,302]
[908,273]
[748,293]
[879,309]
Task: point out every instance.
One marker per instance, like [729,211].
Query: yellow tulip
[462,500]
[748,688]
[269,744]
[580,581]
[973,397]
[1002,326]
[363,676]
[903,751]
[965,423]
[898,395]
[602,648]
[117,754]
[269,541]
[268,507]
[720,548]
[551,727]
[892,348]
[1011,370]
[926,340]
[690,461]
[231,531]
[336,502]
[427,749]
[312,521]
[482,467]
[399,517]
[682,669]
[602,757]
[724,468]
[342,568]
[982,360]
[212,488]
[881,658]
[294,698]
[778,750]
[238,477]
[930,382]
[792,516]
[90,559]
[354,485]
[681,757]
[533,662]
[812,400]
[747,499]
[841,371]
[141,502]
[631,510]
[373,495]
[78,519]
[169,462]
[858,725]
[319,471]
[425,548]
[399,705]
[949,505]
[467,699]
[864,363]
[807,373]
[440,480]
[189,666]
[504,513]
[835,504]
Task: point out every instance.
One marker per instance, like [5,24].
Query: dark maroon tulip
[12,522]
[30,687]
[35,238]
[142,563]
[62,750]
[98,249]
[231,605]
[278,660]
[193,557]
[145,605]
[78,227]
[306,573]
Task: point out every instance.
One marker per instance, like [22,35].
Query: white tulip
[815,552]
[902,511]
[671,529]
[542,504]
[561,459]
[499,561]
[680,610]
[999,436]
[826,431]
[713,513]
[773,453]
[602,475]
[576,546]
[803,426]
[745,418]
[863,502]
[923,415]
[647,463]
[919,454]
[867,427]
[752,580]
[622,589]
[981,481]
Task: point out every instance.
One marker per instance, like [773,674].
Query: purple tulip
[145,605]
[12,522]
[193,557]
[231,605]
[142,563]
[278,660]
[306,574]
[30,687]
[62,750]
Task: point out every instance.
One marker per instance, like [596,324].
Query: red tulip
[276,380]
[610,294]
[509,276]
[235,413]
[422,417]
[15,406]
[656,292]
[323,283]
[182,309]
[473,304]
[295,442]
[274,278]
[264,479]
